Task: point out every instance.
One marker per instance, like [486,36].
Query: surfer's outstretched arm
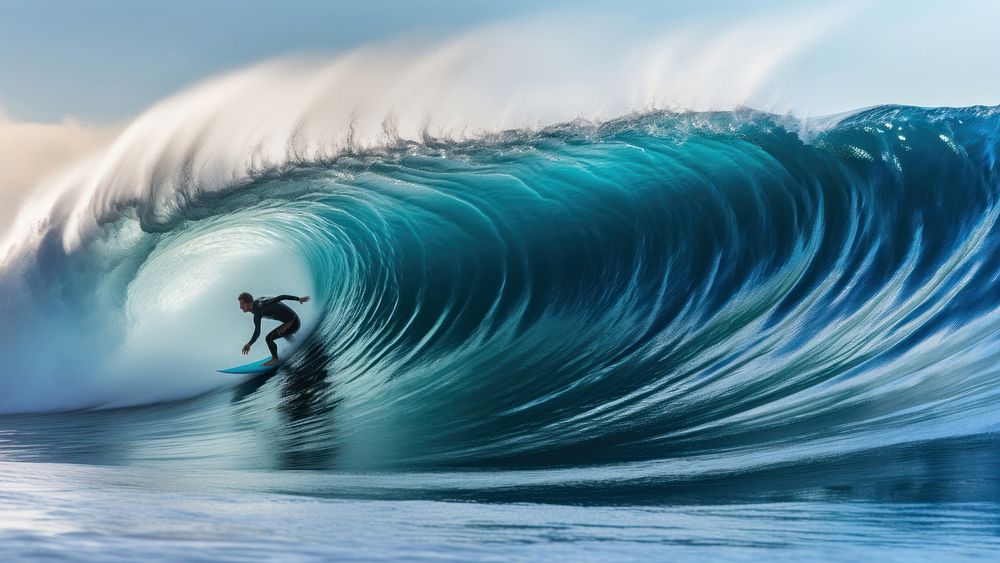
[288,298]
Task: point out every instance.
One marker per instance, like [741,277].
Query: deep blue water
[726,335]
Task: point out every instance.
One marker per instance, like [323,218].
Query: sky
[106,60]
[73,74]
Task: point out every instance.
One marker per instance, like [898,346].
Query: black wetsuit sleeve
[278,299]
[256,329]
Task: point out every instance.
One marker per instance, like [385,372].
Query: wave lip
[298,110]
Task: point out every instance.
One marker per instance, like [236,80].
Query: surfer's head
[246,302]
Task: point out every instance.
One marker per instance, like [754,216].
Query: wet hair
[246,297]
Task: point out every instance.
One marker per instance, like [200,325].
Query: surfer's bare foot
[271,362]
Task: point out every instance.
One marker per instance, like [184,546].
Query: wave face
[703,286]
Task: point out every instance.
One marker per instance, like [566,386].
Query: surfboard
[253,367]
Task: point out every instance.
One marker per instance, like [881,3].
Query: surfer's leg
[272,346]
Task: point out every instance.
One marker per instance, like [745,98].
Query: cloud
[32,152]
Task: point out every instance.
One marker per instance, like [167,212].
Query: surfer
[271,308]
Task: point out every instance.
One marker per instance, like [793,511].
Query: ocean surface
[720,335]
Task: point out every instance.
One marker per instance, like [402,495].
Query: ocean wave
[661,285]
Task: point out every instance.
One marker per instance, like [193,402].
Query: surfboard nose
[253,367]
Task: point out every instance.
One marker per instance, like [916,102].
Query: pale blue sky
[109,59]
[104,61]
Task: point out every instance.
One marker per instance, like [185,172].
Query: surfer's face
[245,306]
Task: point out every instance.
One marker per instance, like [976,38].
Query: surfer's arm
[256,330]
[290,298]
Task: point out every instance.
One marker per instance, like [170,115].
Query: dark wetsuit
[273,308]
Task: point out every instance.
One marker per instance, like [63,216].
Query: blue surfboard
[254,367]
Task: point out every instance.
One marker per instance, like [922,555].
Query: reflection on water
[308,405]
